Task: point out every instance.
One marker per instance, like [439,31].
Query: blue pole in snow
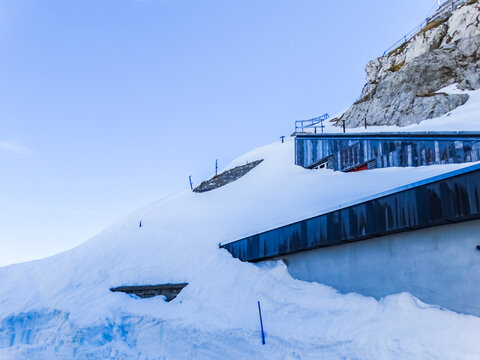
[216,167]
[261,323]
[190,179]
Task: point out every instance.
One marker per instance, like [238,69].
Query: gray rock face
[403,85]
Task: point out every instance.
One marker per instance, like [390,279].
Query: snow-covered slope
[61,307]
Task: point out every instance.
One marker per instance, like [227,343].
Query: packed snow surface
[61,307]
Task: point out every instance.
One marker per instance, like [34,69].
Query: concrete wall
[439,265]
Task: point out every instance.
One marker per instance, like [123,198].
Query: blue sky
[107,105]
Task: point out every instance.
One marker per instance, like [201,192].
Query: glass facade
[348,152]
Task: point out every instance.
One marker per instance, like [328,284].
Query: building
[421,238]
[350,152]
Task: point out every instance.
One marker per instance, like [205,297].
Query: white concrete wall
[439,265]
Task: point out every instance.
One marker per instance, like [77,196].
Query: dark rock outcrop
[226,177]
[170,291]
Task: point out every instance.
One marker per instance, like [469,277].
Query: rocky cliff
[403,85]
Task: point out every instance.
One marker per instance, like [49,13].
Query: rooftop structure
[448,198]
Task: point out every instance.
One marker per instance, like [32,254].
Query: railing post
[261,323]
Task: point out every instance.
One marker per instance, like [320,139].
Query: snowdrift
[61,307]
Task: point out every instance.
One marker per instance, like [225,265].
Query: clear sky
[108,105]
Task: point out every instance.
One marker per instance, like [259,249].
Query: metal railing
[407,36]
[446,7]
[301,125]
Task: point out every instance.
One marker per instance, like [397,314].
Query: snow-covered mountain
[61,307]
